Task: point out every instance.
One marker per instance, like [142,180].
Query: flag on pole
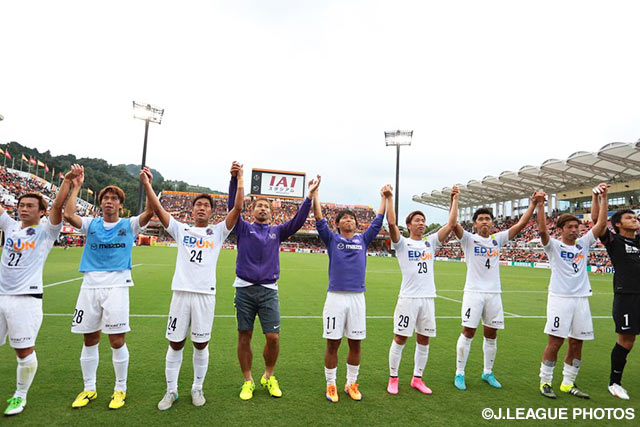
[46,168]
[90,191]
[24,158]
[6,154]
[32,160]
[61,176]
[40,164]
[1,151]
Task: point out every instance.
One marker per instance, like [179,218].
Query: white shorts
[190,309]
[20,319]
[569,317]
[415,314]
[344,314]
[482,305]
[105,309]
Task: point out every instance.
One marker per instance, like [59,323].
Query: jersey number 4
[196,256]
[488,264]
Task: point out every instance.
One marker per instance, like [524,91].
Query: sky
[311,86]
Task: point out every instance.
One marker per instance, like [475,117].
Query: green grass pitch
[300,366]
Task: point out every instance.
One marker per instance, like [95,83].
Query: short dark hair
[42,204]
[412,214]
[202,196]
[617,217]
[482,211]
[565,218]
[343,213]
[264,199]
[112,189]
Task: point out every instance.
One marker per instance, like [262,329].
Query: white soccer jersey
[108,279]
[569,266]
[482,255]
[25,251]
[416,263]
[198,251]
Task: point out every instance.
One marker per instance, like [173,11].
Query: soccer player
[103,301]
[568,312]
[623,247]
[256,283]
[27,245]
[194,283]
[344,312]
[481,298]
[415,309]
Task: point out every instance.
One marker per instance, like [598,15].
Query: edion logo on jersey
[191,242]
[570,256]
[19,245]
[419,255]
[481,251]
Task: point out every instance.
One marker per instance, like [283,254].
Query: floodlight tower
[149,114]
[398,138]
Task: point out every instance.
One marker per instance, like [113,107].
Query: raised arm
[444,231]
[542,223]
[233,186]
[153,203]
[595,201]
[147,214]
[601,223]
[55,214]
[374,228]
[394,231]
[76,177]
[290,227]
[524,219]
[317,209]
[234,213]
[383,200]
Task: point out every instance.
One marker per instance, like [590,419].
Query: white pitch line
[230,316]
[77,278]
[518,291]
[460,302]
[63,282]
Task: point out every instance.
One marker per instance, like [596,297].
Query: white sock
[570,372]
[546,372]
[173,361]
[200,365]
[120,358]
[352,373]
[490,348]
[395,355]
[420,358]
[89,359]
[330,375]
[462,349]
[27,368]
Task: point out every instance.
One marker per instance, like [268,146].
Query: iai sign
[274,183]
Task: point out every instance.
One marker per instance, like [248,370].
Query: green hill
[99,173]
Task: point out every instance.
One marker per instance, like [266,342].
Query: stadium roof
[615,162]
